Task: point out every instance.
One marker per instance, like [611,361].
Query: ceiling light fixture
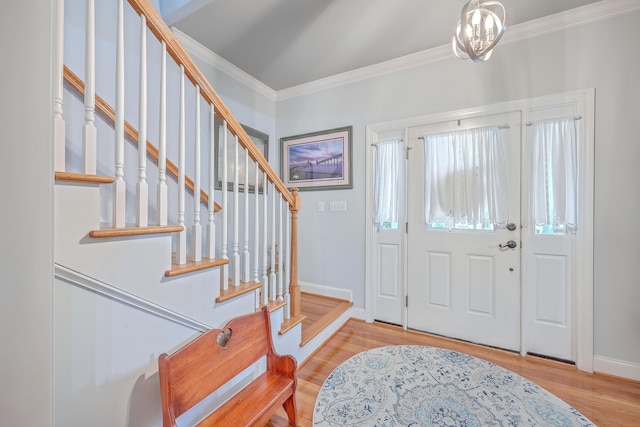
[480,28]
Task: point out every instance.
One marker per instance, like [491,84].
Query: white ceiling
[285,43]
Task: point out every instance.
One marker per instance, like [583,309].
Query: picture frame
[318,160]
[260,139]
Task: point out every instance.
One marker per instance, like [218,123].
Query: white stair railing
[272,231]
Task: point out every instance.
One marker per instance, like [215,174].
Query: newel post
[294,287]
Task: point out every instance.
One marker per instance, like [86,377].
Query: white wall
[26,173]
[598,55]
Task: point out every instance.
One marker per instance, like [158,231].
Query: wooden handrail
[109,114]
[159,28]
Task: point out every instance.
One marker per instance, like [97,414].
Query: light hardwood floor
[605,400]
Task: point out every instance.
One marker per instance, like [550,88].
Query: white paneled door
[465,283]
[389,275]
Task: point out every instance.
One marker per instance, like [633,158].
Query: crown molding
[598,11]
[196,49]
[594,12]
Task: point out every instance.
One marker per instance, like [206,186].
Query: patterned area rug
[411,385]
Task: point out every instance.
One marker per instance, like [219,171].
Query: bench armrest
[282,365]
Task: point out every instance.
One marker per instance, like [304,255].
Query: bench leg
[290,407]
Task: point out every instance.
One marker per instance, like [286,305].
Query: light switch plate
[339,206]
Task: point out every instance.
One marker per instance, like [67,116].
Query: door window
[465,180]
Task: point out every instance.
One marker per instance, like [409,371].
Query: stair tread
[191,266]
[134,231]
[236,291]
[334,308]
[274,305]
[83,177]
[290,323]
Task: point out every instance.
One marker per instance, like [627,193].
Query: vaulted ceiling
[285,43]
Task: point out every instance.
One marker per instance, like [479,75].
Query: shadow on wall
[145,404]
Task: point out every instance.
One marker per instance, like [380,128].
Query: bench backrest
[203,365]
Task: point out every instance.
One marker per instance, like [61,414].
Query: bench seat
[254,404]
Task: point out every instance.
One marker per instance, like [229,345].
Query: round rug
[410,385]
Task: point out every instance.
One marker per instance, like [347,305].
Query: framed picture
[260,139]
[318,160]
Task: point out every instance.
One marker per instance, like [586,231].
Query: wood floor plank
[607,401]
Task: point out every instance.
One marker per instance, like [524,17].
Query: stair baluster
[89,131]
[119,186]
[142,188]
[196,228]
[162,207]
[273,285]
[181,243]
[211,226]
[223,139]
[246,276]
[236,215]
[256,228]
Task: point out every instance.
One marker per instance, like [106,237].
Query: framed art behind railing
[317,160]
[260,139]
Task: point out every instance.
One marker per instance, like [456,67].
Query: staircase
[148,252]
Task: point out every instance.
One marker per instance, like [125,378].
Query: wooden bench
[205,364]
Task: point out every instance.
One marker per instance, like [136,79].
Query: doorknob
[510,244]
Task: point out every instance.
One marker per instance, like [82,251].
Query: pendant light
[481,26]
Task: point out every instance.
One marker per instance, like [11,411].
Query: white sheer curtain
[388,176]
[554,175]
[465,180]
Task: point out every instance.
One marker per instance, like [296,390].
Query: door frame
[583,102]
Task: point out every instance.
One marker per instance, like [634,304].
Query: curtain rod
[388,140]
[558,118]
[504,126]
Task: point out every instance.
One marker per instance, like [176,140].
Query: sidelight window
[554,145]
[388,166]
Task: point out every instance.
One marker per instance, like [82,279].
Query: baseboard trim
[92,285]
[358,313]
[326,291]
[618,368]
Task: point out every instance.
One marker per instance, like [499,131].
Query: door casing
[583,103]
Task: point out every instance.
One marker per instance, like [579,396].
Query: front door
[465,284]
